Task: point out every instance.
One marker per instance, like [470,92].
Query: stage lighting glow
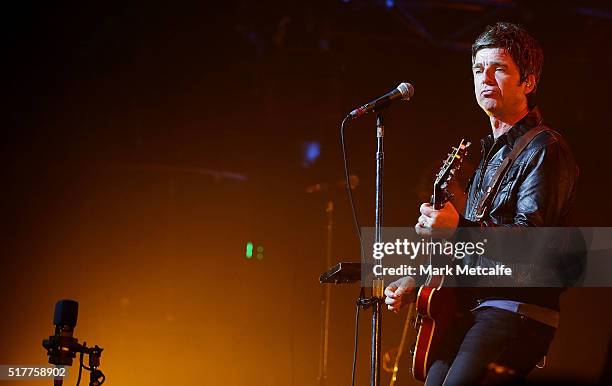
[311,150]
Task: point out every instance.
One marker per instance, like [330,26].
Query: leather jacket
[537,190]
[539,187]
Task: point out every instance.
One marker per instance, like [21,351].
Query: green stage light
[249,250]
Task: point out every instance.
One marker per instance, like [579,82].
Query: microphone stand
[96,377]
[62,349]
[378,284]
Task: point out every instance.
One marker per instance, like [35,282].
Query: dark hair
[522,47]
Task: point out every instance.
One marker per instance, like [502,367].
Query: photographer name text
[457,270]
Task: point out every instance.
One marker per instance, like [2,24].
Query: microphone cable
[358,231]
[355,342]
[97,373]
[348,182]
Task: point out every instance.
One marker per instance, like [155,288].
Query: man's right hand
[395,292]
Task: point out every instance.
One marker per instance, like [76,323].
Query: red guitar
[436,306]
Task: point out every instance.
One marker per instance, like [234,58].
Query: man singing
[512,327]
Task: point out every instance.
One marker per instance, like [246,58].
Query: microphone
[404,91]
[324,187]
[65,316]
[62,347]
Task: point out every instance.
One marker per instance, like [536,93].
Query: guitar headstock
[448,169]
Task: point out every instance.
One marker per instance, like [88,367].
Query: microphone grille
[406,90]
[66,313]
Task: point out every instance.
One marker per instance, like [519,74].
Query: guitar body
[436,310]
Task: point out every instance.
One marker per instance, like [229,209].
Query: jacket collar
[529,121]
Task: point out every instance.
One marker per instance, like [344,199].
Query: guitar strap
[520,145]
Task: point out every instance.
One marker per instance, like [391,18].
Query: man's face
[497,83]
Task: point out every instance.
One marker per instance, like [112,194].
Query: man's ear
[529,84]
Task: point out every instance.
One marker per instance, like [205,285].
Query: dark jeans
[496,336]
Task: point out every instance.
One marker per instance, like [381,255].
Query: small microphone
[404,91]
[61,346]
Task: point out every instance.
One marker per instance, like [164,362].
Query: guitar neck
[436,200]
